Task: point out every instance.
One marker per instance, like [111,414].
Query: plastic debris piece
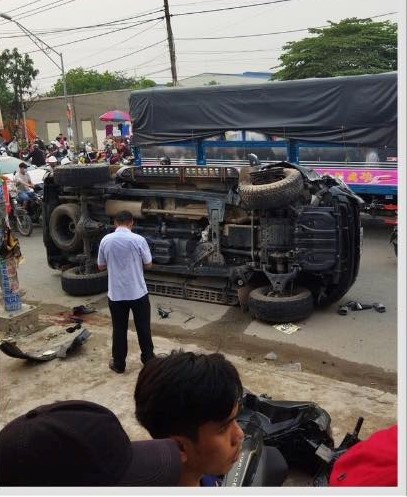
[287,328]
[163,313]
[271,356]
[82,309]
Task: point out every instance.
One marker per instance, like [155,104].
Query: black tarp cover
[353,110]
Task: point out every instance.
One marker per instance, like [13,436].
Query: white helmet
[51,160]
[65,160]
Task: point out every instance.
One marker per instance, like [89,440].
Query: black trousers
[119,311]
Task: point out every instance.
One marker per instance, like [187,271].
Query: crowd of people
[114,150]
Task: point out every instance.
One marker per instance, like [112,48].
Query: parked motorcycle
[19,220]
[301,431]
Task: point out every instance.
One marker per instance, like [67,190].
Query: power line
[230,8]
[124,20]
[269,34]
[128,55]
[102,34]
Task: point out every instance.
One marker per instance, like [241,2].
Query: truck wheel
[62,227]
[78,175]
[280,308]
[270,195]
[75,282]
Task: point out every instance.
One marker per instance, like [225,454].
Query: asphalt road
[364,337]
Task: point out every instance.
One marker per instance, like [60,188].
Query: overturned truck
[278,237]
[283,232]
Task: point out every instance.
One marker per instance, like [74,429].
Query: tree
[352,46]
[17,74]
[79,81]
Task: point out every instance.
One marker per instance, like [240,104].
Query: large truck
[277,237]
[344,126]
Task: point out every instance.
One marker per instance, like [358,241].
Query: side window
[53,130]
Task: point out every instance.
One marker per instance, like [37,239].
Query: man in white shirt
[125,255]
[24,185]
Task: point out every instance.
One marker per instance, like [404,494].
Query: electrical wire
[101,34]
[128,55]
[287,31]
[222,9]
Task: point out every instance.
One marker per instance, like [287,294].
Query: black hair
[177,393]
[124,217]
[22,164]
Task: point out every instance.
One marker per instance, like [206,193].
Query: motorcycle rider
[24,185]
[36,155]
[51,161]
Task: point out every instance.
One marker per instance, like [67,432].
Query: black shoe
[114,368]
[144,360]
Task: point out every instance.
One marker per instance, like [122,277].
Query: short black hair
[124,217]
[22,164]
[177,393]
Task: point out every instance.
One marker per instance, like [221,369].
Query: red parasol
[115,116]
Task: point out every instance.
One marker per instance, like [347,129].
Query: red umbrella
[115,116]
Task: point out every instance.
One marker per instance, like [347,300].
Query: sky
[131,37]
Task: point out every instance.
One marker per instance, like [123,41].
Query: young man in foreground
[193,399]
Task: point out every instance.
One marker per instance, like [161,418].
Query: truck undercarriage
[279,238]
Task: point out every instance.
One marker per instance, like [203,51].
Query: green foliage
[212,83]
[17,74]
[351,47]
[80,81]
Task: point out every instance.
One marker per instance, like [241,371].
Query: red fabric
[370,463]
[6,194]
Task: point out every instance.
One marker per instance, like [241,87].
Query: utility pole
[171,44]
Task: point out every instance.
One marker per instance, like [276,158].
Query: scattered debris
[9,347]
[163,313]
[292,366]
[287,328]
[189,319]
[271,356]
[71,329]
[354,305]
[83,309]
[74,319]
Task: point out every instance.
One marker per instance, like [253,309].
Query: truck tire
[78,175]
[63,227]
[270,195]
[75,282]
[280,308]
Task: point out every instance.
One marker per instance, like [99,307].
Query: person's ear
[182,443]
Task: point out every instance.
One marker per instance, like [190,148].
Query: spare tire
[280,308]
[63,227]
[75,282]
[277,194]
[78,175]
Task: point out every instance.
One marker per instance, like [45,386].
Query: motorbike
[127,161]
[34,207]
[393,239]
[19,220]
[301,431]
